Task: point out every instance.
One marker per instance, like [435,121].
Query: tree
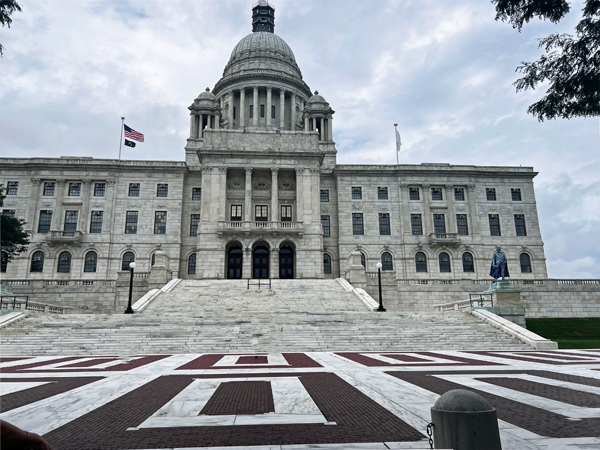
[13,238]
[7,8]
[571,65]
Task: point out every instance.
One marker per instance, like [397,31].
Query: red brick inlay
[252,360]
[522,356]
[39,366]
[561,355]
[404,358]
[295,360]
[5,359]
[365,360]
[240,397]
[90,363]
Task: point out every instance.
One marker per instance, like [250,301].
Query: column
[293,112]
[428,219]
[329,129]
[205,209]
[32,203]
[230,112]
[85,206]
[451,221]
[255,107]
[322,130]
[315,198]
[274,195]
[242,108]
[201,125]
[473,216]
[58,208]
[314,124]
[306,124]
[269,105]
[248,195]
[299,195]
[217,122]
[222,193]
[192,123]
[282,109]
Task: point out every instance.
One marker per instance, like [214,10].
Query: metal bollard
[464,420]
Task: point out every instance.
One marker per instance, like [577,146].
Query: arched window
[91,261]
[152,259]
[386,262]
[363,259]
[128,257]
[4,261]
[525,261]
[192,263]
[37,262]
[444,262]
[326,263]
[64,262]
[421,262]
[468,262]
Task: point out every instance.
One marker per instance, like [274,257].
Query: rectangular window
[96,222]
[436,194]
[416,224]
[162,190]
[194,221]
[134,189]
[196,193]
[515,194]
[356,193]
[439,224]
[490,194]
[461,224]
[71,220]
[9,213]
[413,193]
[520,225]
[357,223]
[99,189]
[236,213]
[160,222]
[324,195]
[45,221]
[384,223]
[234,113]
[494,224]
[261,213]
[286,213]
[326,224]
[12,187]
[131,222]
[262,110]
[459,194]
[272,112]
[49,189]
[251,111]
[382,193]
[74,189]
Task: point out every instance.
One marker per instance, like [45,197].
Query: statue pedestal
[507,302]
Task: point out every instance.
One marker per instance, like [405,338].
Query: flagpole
[397,149]
[121,141]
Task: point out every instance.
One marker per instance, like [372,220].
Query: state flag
[132,134]
[129,143]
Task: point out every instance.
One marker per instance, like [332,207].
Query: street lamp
[131,267]
[381,308]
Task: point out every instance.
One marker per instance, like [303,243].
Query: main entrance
[234,262]
[260,262]
[286,262]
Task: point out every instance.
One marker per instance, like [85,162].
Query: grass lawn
[569,333]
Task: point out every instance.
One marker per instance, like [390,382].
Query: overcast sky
[442,70]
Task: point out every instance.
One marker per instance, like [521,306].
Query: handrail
[30,306]
[259,283]
[479,299]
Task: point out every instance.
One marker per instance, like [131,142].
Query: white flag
[398,143]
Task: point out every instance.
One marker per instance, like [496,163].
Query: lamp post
[131,268]
[381,308]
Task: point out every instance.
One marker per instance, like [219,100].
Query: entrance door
[286,262]
[234,262]
[260,262]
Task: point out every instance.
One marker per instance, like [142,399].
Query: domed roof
[206,95]
[317,98]
[262,40]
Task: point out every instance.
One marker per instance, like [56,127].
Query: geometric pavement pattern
[544,399]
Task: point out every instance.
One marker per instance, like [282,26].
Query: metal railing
[265,282]
[480,299]
[13,300]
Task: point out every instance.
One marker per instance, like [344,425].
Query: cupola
[263,17]
[205,112]
[318,116]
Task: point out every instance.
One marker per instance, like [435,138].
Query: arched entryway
[286,262]
[260,262]
[234,262]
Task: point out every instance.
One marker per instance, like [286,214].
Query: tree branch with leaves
[7,8]
[13,238]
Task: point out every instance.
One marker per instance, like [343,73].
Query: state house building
[260,195]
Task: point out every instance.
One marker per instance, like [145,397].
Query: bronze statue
[499,267]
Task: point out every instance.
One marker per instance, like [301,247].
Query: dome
[317,98]
[265,41]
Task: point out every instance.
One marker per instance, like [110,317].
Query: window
[37,262]
[520,225]
[251,111]
[324,195]
[45,221]
[192,264]
[134,189]
[325,223]
[128,257]
[236,213]
[357,223]
[382,193]
[4,262]
[261,213]
[262,110]
[49,189]
[494,224]
[74,189]
[286,213]
[421,262]
[272,112]
[461,224]
[194,220]
[384,223]
[91,261]
[131,222]
[515,194]
[9,213]
[234,112]
[196,193]
[96,222]
[71,220]
[99,189]
[160,222]
[436,194]
[363,260]
[64,262]
[439,224]
[416,224]
[153,259]
[444,262]
[459,194]
[490,194]
[356,193]
[162,190]
[413,193]
[12,187]
[386,262]
[525,261]
[467,260]
[326,263]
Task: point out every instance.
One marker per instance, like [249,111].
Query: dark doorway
[260,262]
[286,262]
[234,262]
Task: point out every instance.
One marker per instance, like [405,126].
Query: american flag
[132,134]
